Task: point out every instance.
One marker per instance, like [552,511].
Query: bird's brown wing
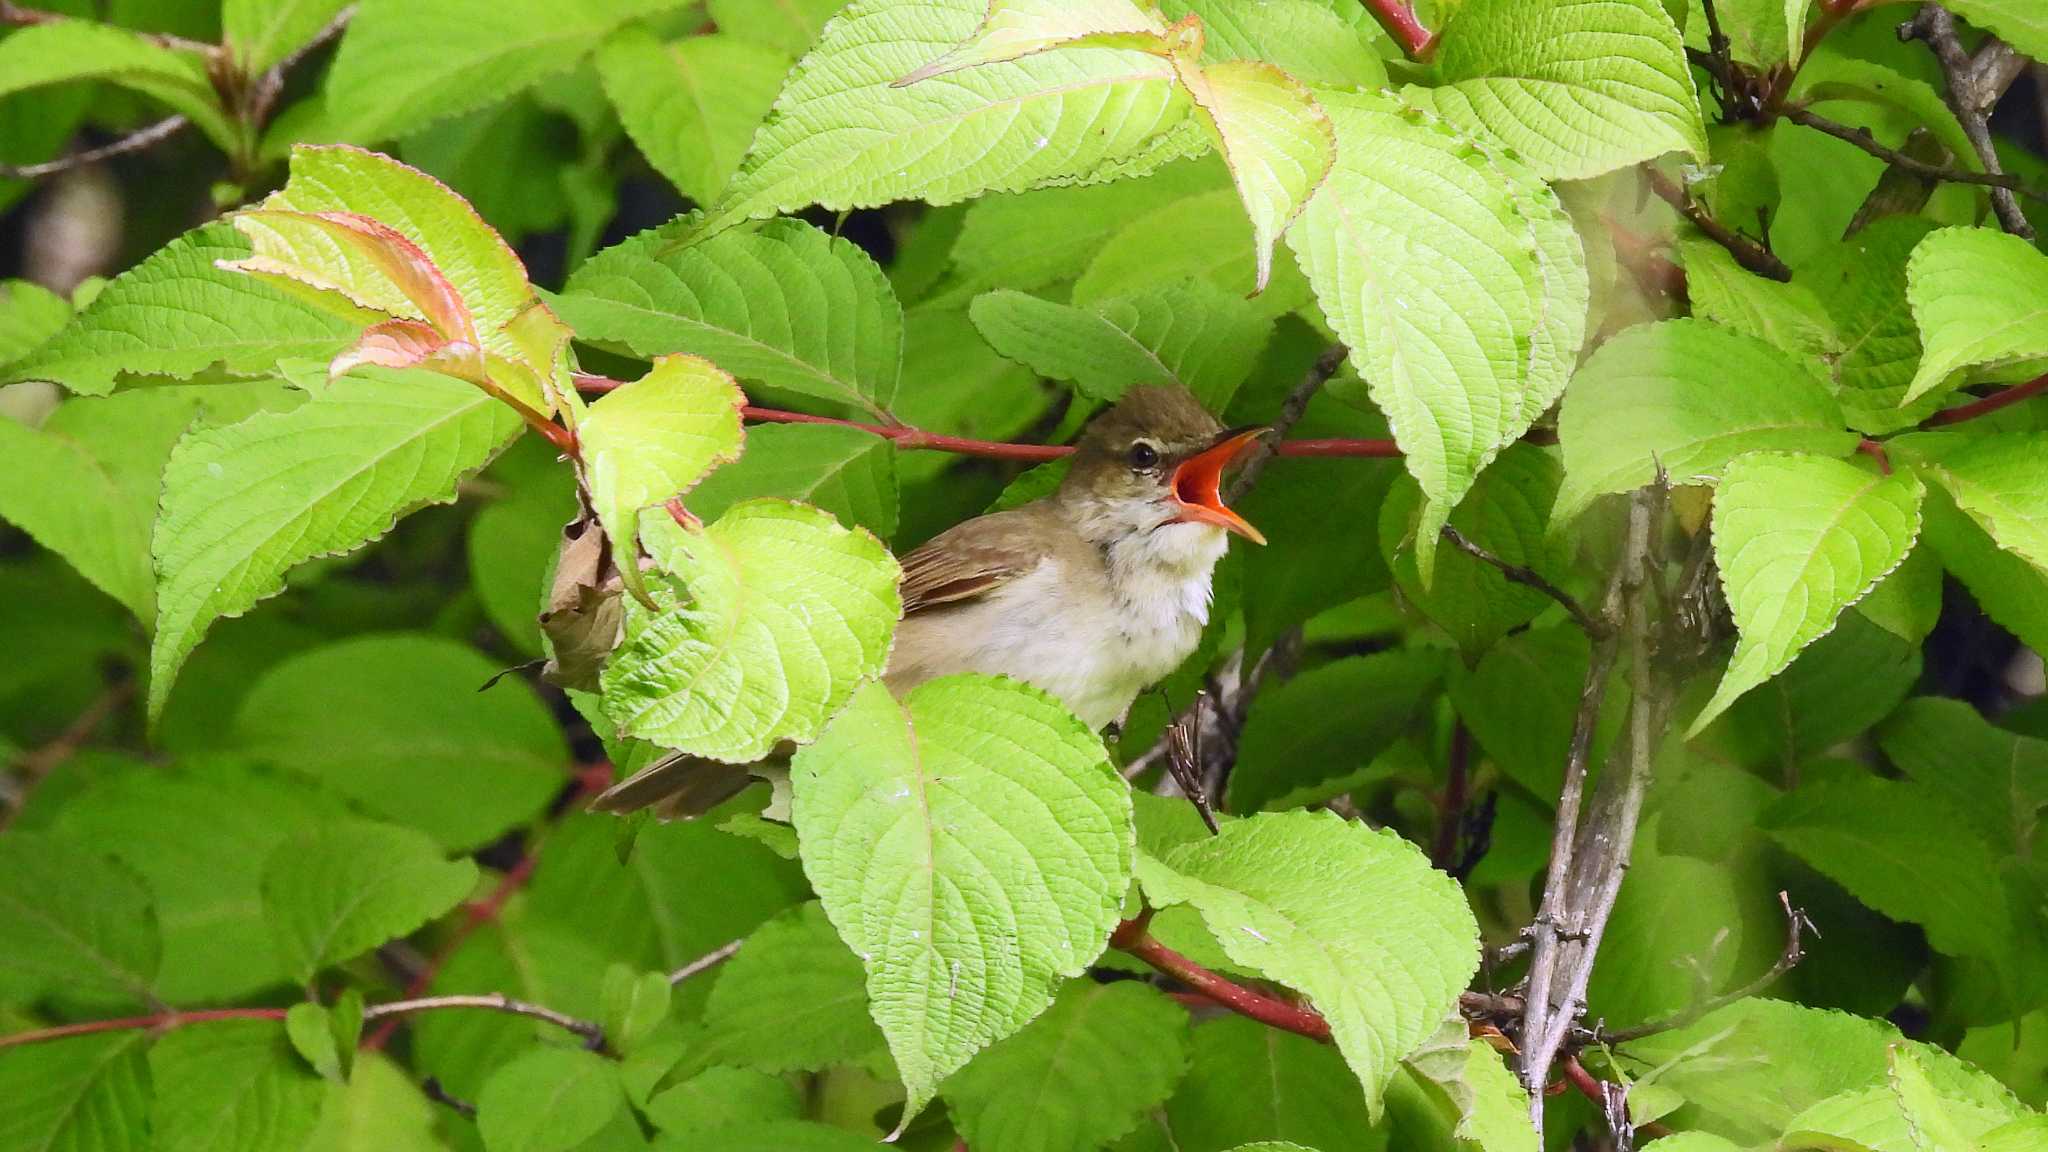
[972,559]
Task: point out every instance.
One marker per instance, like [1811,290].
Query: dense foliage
[1631,725]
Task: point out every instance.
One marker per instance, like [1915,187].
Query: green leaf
[1690,397]
[1935,1122]
[2002,483]
[1521,701]
[1798,539]
[774,1136]
[965,920]
[85,483]
[633,1005]
[1787,316]
[848,472]
[310,1028]
[72,922]
[339,891]
[1277,140]
[718,1098]
[402,66]
[792,1000]
[2011,591]
[1441,335]
[788,306]
[1976,294]
[260,33]
[1675,935]
[549,1100]
[767,621]
[841,136]
[691,105]
[1838,686]
[84,1094]
[198,834]
[513,540]
[2021,24]
[650,441]
[1248,1082]
[1862,283]
[1079,1076]
[1305,737]
[245,504]
[1191,334]
[1899,847]
[70,51]
[231,1086]
[1014,29]
[1355,919]
[1575,87]
[1470,1082]
[1997,778]
[29,315]
[1304,38]
[397,724]
[789,26]
[177,314]
[1907,603]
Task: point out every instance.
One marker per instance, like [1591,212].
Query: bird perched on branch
[1093,593]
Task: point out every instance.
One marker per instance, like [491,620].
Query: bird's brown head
[1156,459]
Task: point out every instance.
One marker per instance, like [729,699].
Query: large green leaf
[1078,1077]
[1472,1086]
[1304,38]
[786,25]
[766,622]
[397,724]
[177,314]
[380,1110]
[552,1100]
[403,66]
[1303,739]
[793,999]
[841,136]
[1431,270]
[1787,316]
[1275,137]
[1576,87]
[245,504]
[691,105]
[1248,1082]
[1798,539]
[1686,396]
[1999,779]
[650,441]
[2011,591]
[2001,481]
[260,33]
[85,483]
[84,1094]
[232,1086]
[973,846]
[1862,282]
[788,306]
[72,921]
[2022,24]
[69,51]
[1977,294]
[1675,934]
[1354,918]
[29,315]
[1191,334]
[342,889]
[198,834]
[848,472]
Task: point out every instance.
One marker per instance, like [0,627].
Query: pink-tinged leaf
[542,362]
[368,262]
[399,344]
[1278,142]
[1015,29]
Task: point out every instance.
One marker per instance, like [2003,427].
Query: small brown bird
[1093,593]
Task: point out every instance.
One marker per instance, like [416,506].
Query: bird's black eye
[1144,456]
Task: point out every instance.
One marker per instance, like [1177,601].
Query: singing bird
[1092,594]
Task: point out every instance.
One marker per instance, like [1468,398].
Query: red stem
[1401,23]
[1230,994]
[162,1021]
[1991,403]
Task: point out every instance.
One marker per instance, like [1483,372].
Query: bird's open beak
[1197,481]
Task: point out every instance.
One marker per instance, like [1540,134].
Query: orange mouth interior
[1197,485]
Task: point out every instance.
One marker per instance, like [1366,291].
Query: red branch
[1991,403]
[162,1022]
[1401,23]
[1130,937]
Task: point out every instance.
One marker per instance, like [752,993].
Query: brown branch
[39,762]
[1450,810]
[432,1090]
[1966,98]
[1400,21]
[592,1034]
[1291,410]
[1795,950]
[19,17]
[1528,578]
[1862,138]
[706,962]
[1747,252]
[134,141]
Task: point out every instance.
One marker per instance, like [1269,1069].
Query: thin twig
[432,1090]
[592,1034]
[263,94]
[134,141]
[1796,923]
[19,17]
[1528,578]
[1450,811]
[1291,410]
[1221,989]
[1862,138]
[1747,252]
[706,962]
[1965,98]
